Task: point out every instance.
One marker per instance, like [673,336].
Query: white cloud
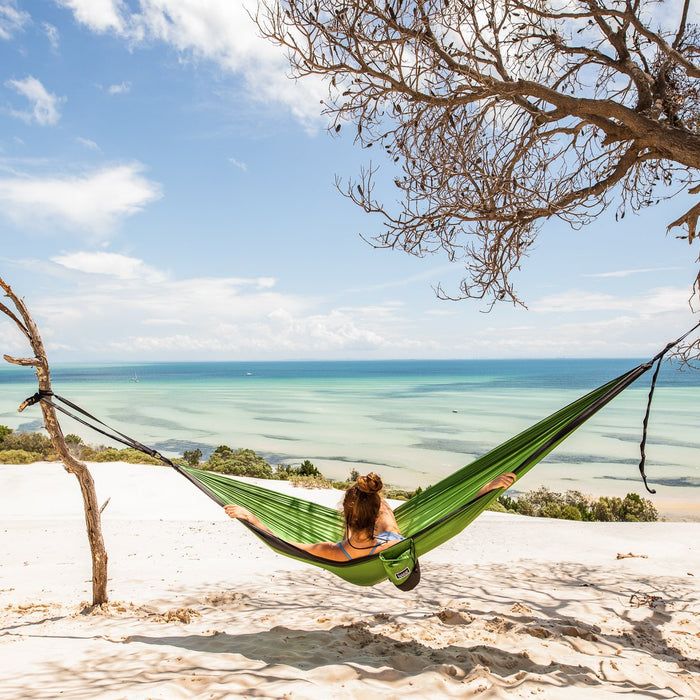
[44,104]
[238,164]
[119,89]
[216,30]
[653,301]
[11,19]
[110,264]
[88,143]
[52,35]
[104,304]
[94,202]
[99,15]
[628,273]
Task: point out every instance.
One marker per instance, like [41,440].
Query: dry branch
[25,323]
[497,115]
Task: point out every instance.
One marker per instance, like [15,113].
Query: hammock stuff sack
[427,520]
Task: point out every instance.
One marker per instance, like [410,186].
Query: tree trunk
[91,507]
[87,486]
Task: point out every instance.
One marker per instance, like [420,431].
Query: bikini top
[382,538]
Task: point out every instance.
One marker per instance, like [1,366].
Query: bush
[29,442]
[498,507]
[631,508]
[192,457]
[307,469]
[4,430]
[316,481]
[286,471]
[19,457]
[400,494]
[112,454]
[242,462]
[573,505]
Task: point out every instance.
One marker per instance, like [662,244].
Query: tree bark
[40,363]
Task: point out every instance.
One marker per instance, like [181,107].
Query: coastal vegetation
[25,448]
[574,505]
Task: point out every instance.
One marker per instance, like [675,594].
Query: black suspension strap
[113,434]
[645,422]
[106,430]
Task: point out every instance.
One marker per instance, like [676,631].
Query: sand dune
[512,608]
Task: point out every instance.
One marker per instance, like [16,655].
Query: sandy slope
[512,608]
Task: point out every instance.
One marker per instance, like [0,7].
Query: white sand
[512,608]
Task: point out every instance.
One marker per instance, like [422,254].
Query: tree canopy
[501,114]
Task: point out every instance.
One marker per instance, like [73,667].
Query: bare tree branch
[497,115]
[25,323]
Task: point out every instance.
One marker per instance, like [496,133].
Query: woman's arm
[241,513]
[386,521]
[327,550]
[504,481]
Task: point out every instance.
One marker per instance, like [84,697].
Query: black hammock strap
[645,422]
[106,430]
[101,427]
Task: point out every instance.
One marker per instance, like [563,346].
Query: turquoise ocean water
[413,422]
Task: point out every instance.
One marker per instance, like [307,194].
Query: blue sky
[167,193]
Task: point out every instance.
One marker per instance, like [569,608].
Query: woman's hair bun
[370,483]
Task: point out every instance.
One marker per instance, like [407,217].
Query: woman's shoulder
[327,550]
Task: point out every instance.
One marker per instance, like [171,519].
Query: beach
[513,607]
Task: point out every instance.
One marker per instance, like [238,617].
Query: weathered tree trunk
[87,486]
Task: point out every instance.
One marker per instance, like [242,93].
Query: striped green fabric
[430,518]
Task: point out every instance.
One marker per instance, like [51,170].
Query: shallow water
[411,421]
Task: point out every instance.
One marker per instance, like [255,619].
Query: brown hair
[362,502]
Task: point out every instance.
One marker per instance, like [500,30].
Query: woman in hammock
[370,525]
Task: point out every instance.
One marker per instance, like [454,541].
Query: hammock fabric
[427,520]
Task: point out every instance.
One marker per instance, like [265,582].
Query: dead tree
[496,115]
[24,321]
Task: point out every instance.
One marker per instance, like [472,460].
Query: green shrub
[498,507]
[29,442]
[112,454]
[19,457]
[286,471]
[315,481]
[573,505]
[4,430]
[192,457]
[242,462]
[307,469]
[101,453]
[72,439]
[400,494]
[631,508]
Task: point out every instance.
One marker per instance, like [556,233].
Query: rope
[115,435]
[645,422]
[110,432]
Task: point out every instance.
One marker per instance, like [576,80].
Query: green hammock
[428,519]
